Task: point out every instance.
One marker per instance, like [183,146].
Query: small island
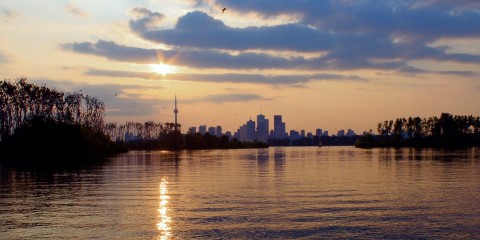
[445,131]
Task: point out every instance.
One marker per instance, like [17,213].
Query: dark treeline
[41,122]
[444,131]
[20,102]
[146,136]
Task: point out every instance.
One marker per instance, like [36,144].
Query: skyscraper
[246,132]
[212,131]
[202,129]
[262,128]
[250,130]
[176,112]
[278,127]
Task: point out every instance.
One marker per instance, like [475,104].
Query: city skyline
[335,64]
[259,131]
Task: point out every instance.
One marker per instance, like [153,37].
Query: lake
[275,193]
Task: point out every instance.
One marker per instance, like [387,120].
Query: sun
[162,68]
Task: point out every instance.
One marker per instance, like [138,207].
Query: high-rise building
[278,127]
[350,133]
[211,131]
[302,133]
[246,132]
[262,128]
[202,129]
[319,132]
[294,135]
[250,130]
[341,133]
[229,135]
[193,130]
[219,131]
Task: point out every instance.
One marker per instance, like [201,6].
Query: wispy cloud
[9,15]
[197,58]
[233,97]
[227,77]
[74,10]
[4,58]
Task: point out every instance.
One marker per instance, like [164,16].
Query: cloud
[4,58]
[232,97]
[74,10]
[9,15]
[195,58]
[418,19]
[113,51]
[227,77]
[338,35]
[351,47]
[358,58]
[145,18]
[197,29]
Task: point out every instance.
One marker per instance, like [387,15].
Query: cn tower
[176,112]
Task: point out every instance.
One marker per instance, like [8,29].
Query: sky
[330,64]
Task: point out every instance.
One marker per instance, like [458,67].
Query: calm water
[277,193]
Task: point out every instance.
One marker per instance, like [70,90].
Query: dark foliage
[446,131]
[45,141]
[21,101]
[43,125]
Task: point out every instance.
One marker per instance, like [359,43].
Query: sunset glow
[320,64]
[162,69]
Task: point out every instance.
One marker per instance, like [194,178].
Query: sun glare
[163,69]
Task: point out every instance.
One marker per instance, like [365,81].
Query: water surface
[276,193]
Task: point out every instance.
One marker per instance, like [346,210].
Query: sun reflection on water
[163,224]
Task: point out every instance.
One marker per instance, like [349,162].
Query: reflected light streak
[163,224]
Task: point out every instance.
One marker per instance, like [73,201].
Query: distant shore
[445,131]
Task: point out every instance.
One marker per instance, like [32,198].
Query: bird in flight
[223,10]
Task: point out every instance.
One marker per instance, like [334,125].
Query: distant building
[325,133]
[294,135]
[278,127]
[202,129]
[341,133]
[319,132]
[309,135]
[302,133]
[219,131]
[246,132]
[211,131]
[229,135]
[192,130]
[350,133]
[262,128]
[251,131]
